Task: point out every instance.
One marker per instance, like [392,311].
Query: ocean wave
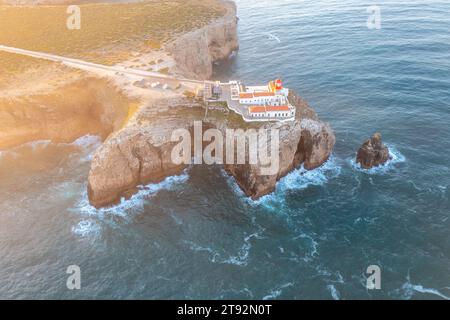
[35,145]
[313,246]
[239,259]
[410,289]
[271,36]
[334,292]
[87,228]
[300,179]
[275,293]
[224,294]
[214,255]
[135,202]
[16,152]
[396,157]
[88,144]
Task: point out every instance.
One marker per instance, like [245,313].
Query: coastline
[129,145]
[27,90]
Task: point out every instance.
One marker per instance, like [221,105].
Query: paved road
[80,64]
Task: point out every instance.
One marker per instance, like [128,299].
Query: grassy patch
[108,31]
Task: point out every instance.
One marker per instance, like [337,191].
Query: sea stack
[372,152]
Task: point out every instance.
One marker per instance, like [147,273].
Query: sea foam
[334,292]
[86,228]
[88,144]
[298,179]
[278,291]
[219,256]
[135,202]
[409,289]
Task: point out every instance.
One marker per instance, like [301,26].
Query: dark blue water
[197,236]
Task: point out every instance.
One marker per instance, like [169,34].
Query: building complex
[255,103]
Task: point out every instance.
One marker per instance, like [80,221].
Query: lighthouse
[278,85]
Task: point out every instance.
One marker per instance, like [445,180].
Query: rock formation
[140,153]
[372,153]
[196,52]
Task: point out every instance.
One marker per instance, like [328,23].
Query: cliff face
[135,155]
[305,142]
[141,152]
[88,106]
[196,52]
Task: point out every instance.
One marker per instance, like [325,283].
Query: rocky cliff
[304,142]
[141,152]
[86,106]
[196,52]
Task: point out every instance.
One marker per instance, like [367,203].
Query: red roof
[256,95]
[246,95]
[257,109]
[263,94]
[277,108]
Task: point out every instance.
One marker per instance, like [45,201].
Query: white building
[262,103]
[271,112]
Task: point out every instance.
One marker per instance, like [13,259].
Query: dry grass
[164,70]
[108,31]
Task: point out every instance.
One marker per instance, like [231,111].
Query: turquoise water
[197,236]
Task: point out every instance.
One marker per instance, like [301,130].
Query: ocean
[196,236]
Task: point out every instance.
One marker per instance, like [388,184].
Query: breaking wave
[136,201]
[33,145]
[298,179]
[88,144]
[302,178]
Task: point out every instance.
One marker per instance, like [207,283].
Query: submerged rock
[372,153]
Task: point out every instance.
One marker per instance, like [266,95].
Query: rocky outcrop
[196,52]
[135,155]
[304,142]
[141,152]
[372,153]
